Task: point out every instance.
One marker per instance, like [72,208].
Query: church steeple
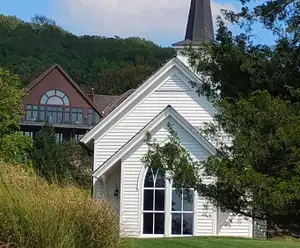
[199,28]
[200,25]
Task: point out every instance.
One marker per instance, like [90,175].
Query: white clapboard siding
[107,191]
[132,166]
[174,92]
[234,225]
[99,189]
[206,214]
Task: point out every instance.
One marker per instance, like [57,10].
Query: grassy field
[35,214]
[212,243]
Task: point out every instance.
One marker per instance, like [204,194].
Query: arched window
[154,203]
[55,97]
[57,108]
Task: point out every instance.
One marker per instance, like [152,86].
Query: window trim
[182,212]
[59,137]
[78,111]
[58,112]
[78,137]
[153,204]
[30,108]
[168,209]
[55,93]
[93,116]
[28,133]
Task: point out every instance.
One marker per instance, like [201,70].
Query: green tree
[13,146]
[279,16]
[121,78]
[235,67]
[60,162]
[80,164]
[29,48]
[41,20]
[11,107]
[48,156]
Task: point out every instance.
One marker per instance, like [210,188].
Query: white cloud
[152,19]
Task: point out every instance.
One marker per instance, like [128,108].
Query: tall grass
[36,214]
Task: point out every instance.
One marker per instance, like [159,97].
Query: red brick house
[56,99]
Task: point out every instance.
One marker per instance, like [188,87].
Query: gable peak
[40,78]
[175,78]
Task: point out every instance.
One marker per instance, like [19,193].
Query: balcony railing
[35,121]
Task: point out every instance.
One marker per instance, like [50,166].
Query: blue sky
[157,20]
[25,9]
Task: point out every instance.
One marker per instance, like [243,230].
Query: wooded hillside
[109,65]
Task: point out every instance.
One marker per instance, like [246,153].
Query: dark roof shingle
[117,101]
[200,25]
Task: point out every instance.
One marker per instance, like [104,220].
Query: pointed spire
[200,25]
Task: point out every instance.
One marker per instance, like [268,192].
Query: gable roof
[36,81]
[149,85]
[151,126]
[103,101]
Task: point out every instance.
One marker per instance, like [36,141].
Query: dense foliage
[279,16]
[60,162]
[10,102]
[239,68]
[13,146]
[109,65]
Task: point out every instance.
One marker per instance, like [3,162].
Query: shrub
[63,162]
[34,213]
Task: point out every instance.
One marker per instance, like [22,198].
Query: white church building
[146,203]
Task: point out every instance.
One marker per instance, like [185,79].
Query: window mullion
[182,211]
[30,111]
[181,200]
[181,229]
[153,222]
[154,199]
[151,211]
[154,208]
[39,113]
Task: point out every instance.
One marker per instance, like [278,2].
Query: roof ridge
[117,101]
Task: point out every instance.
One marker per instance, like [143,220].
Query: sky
[162,21]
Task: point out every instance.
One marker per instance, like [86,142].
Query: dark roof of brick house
[117,101]
[108,103]
[102,101]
